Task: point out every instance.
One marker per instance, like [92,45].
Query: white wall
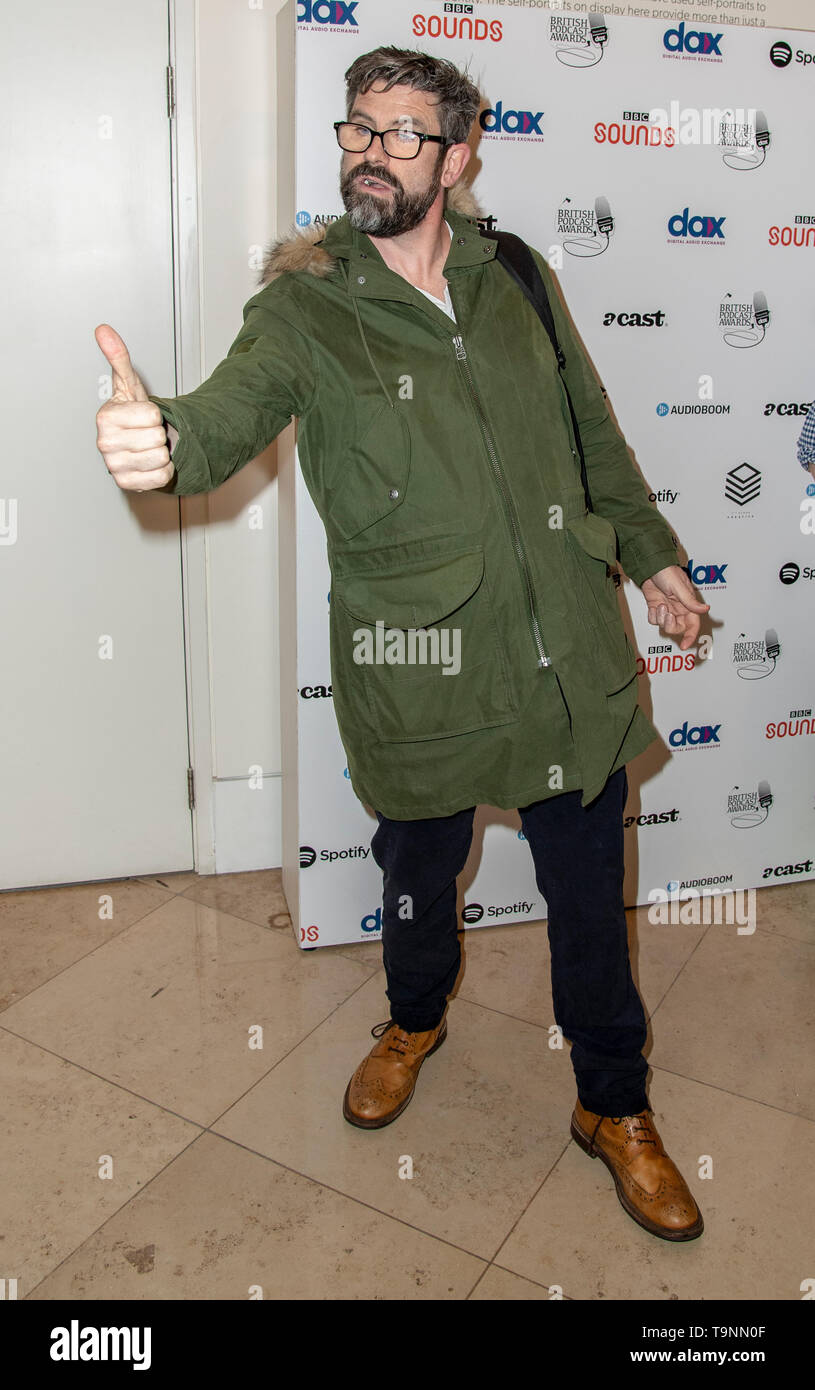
[238,195]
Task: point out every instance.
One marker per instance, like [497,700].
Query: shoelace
[643,1124]
[381,1028]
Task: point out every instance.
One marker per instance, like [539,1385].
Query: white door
[93,721]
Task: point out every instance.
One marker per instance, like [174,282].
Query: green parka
[441,459]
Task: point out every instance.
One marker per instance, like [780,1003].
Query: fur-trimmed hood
[301,249]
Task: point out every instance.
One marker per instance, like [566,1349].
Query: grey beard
[367,213]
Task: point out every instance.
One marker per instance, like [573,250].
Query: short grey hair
[459,99]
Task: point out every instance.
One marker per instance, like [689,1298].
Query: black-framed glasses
[401,143]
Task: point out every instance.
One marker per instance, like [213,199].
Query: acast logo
[652,818]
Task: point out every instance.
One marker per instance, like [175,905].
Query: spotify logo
[473,912]
[789,573]
[780,54]
[307,856]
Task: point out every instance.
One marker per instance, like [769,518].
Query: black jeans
[578,857]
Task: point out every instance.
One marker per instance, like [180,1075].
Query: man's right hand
[130,433]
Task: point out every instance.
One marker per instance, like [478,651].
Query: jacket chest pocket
[415,643]
[372,474]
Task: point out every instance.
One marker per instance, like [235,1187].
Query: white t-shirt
[446,304]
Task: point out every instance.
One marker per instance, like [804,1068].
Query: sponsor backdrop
[666,170]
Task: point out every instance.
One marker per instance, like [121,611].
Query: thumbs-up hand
[130,433]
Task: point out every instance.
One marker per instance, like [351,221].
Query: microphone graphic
[771,643]
[602,211]
[760,310]
[762,131]
[765,796]
[599,32]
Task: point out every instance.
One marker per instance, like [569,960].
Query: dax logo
[682,225]
[473,912]
[700,734]
[692,41]
[780,54]
[373,921]
[706,574]
[326,12]
[307,856]
[496,120]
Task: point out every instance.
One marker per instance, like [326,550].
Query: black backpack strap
[518,261]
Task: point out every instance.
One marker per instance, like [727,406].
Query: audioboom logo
[693,408]
[305,218]
[473,912]
[327,13]
[692,43]
[500,122]
[743,323]
[579,42]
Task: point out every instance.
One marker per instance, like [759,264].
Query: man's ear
[455,161]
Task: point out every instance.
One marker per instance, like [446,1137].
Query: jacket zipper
[462,359]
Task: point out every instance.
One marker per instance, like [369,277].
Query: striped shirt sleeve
[806,443]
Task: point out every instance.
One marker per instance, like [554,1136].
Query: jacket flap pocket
[414,594]
[596,536]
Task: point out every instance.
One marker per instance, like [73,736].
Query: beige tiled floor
[153,1152]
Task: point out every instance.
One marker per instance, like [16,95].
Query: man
[436,442]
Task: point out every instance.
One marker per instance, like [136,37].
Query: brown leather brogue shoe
[383,1083]
[649,1185]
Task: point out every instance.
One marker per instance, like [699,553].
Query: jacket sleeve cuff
[640,561]
[192,471]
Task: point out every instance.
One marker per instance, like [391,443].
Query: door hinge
[190,788]
[170,92]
